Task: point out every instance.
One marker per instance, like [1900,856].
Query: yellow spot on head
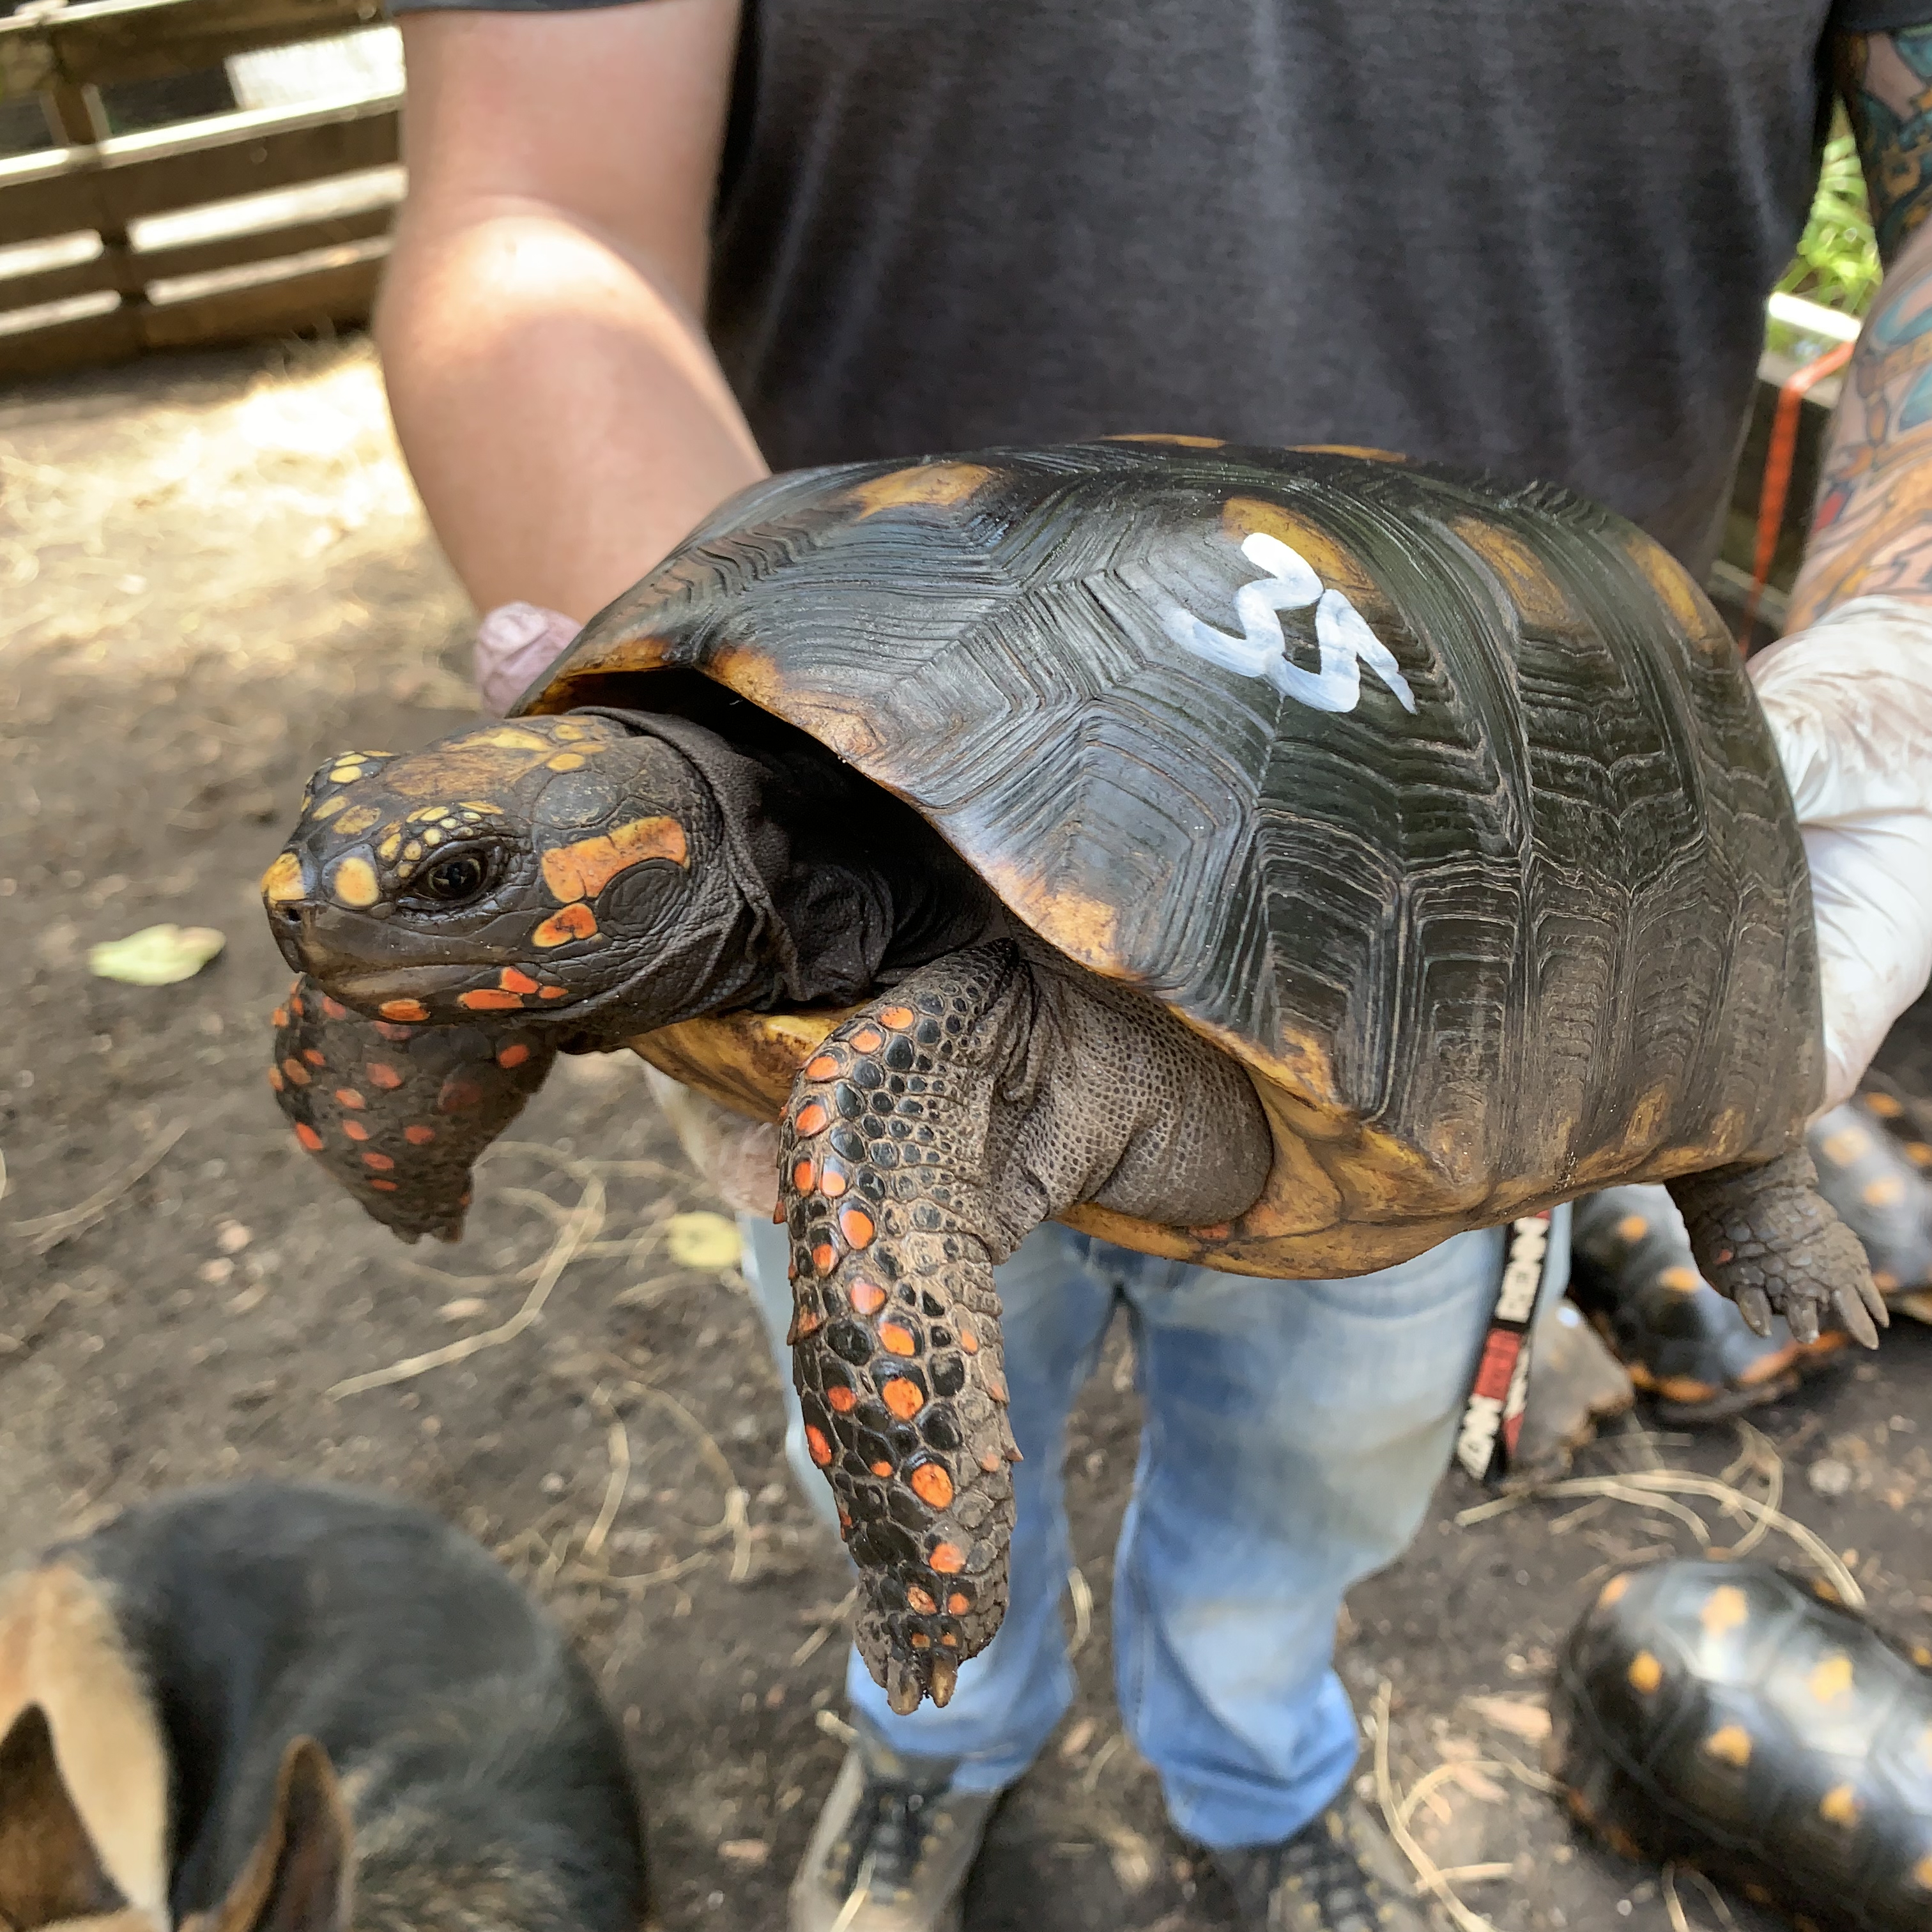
[1725,1608]
[1882,1104]
[353,824]
[569,733]
[345,774]
[1361,449]
[1844,1146]
[935,485]
[1646,1672]
[479,804]
[413,850]
[1732,1745]
[1155,436]
[1632,1227]
[353,882]
[1921,1872]
[283,880]
[1613,1592]
[507,738]
[1681,1280]
[329,807]
[1886,1192]
[1832,1678]
[582,871]
[389,847]
[1839,1806]
[566,761]
[431,836]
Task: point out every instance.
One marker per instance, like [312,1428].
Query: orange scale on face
[810,1119]
[868,1040]
[354,1130]
[309,1137]
[513,981]
[822,1068]
[418,1136]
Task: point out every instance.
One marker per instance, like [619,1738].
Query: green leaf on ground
[156,956]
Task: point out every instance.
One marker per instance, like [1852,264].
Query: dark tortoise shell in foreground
[1282,860]
[1725,1715]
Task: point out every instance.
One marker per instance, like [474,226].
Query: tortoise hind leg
[1765,1237]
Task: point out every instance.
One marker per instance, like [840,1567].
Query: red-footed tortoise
[1283,861]
[1721,1713]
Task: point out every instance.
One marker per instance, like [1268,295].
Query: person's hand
[516,643]
[1850,703]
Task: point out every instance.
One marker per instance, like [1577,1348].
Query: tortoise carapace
[1722,1714]
[1280,860]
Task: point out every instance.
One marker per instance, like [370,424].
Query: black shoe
[1340,1873]
[892,1847]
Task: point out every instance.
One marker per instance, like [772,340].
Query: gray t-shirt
[1531,235]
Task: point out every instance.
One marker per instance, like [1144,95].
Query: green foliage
[1837,262]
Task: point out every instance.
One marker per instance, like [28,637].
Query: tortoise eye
[454,878]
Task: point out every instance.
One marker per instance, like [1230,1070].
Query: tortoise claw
[943,1676]
[1856,1313]
[1801,1317]
[903,1688]
[1754,1305]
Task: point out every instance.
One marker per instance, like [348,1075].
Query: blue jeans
[1294,1431]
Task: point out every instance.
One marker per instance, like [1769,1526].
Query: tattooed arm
[1872,534]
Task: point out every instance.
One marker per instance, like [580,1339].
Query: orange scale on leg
[948,1559]
[279,1017]
[382,1075]
[824,1257]
[881,1468]
[803,1177]
[968,1341]
[931,1485]
[856,1226]
[297,1073]
[313,1054]
[957,1604]
[896,1340]
[354,1130]
[820,1449]
[386,1187]
[348,1097]
[867,1297]
[513,1055]
[904,1397]
[403,1010]
[921,1600]
[333,1009]
[309,1137]
[810,1119]
[821,1068]
[834,1180]
[381,1162]
[418,1136]
[489,999]
[898,1018]
[514,981]
[868,1040]
[275,1079]
[843,1399]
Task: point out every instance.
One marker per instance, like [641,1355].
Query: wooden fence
[236,259]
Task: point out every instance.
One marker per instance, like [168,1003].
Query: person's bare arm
[1872,533]
[547,370]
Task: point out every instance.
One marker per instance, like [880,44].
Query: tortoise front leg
[1765,1237]
[399,1114]
[927,1136]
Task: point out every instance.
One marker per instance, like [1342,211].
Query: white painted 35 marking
[1345,641]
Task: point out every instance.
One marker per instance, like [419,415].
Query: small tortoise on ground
[1283,861]
[1721,1713]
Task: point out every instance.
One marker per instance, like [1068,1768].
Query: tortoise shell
[1722,1713]
[1445,808]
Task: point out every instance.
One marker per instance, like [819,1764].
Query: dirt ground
[212,572]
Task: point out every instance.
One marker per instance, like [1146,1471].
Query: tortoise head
[548,865]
